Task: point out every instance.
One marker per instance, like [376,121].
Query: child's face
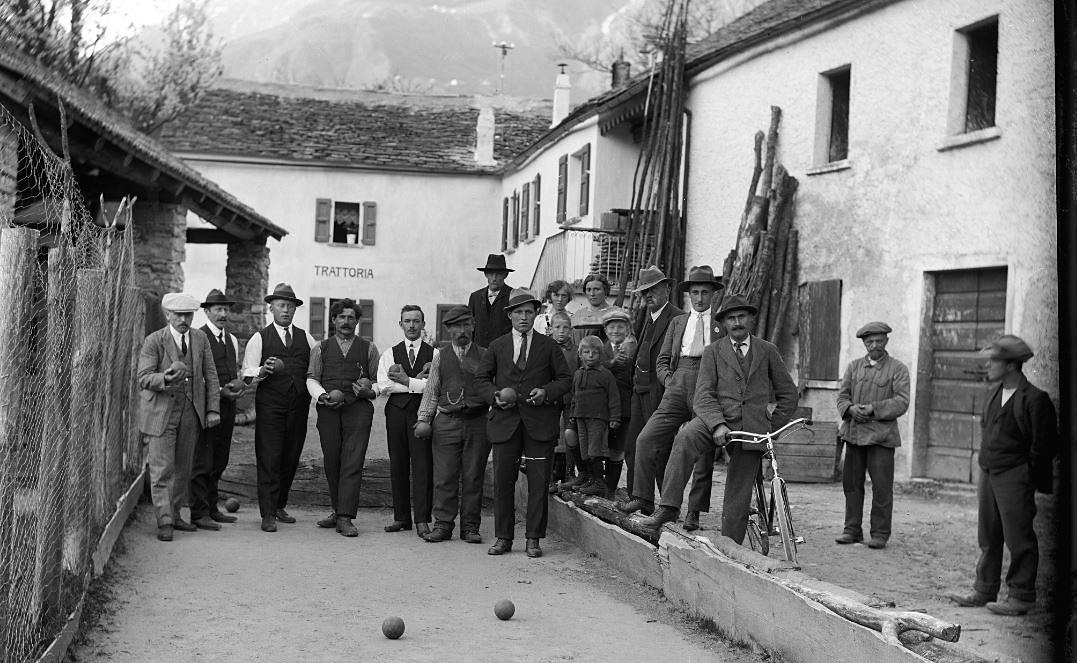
[590,356]
[616,331]
[559,330]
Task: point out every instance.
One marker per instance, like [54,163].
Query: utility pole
[504,47]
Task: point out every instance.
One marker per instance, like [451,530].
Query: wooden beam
[127,159]
[99,144]
[209,236]
[154,174]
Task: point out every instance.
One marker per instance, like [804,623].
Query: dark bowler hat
[1009,348]
[649,277]
[457,315]
[876,327]
[495,262]
[734,302]
[216,298]
[283,291]
[702,275]
[521,296]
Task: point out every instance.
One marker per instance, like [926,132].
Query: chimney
[484,137]
[622,71]
[561,89]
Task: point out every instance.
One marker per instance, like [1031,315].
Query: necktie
[287,337]
[183,344]
[221,338]
[696,348]
[521,361]
[411,355]
[740,349]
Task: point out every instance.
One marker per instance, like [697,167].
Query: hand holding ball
[507,397]
[336,397]
[423,430]
[504,609]
[392,627]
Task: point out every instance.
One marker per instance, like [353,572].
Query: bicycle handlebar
[758,438]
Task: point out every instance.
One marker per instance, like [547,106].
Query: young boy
[596,409]
[560,330]
[617,354]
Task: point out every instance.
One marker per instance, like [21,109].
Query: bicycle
[771,516]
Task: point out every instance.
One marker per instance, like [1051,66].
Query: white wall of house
[432,232]
[900,206]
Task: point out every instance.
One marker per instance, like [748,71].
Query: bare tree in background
[56,34]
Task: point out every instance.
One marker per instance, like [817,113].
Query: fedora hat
[495,262]
[179,302]
[649,277]
[1008,348]
[216,298]
[734,302]
[521,296]
[703,275]
[283,291]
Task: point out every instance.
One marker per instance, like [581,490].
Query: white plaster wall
[432,232]
[903,207]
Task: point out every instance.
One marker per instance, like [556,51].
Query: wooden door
[969,310]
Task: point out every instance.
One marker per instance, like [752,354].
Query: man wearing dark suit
[487,305]
[676,368]
[738,376]
[276,361]
[180,397]
[1019,442]
[211,453]
[526,428]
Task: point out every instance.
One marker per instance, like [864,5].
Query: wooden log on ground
[606,510]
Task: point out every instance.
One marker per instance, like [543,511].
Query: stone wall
[247,282]
[160,239]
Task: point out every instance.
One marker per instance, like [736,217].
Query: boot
[662,515]
[583,471]
[613,474]
[557,475]
[597,484]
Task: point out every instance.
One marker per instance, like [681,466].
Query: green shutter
[370,222]
[585,179]
[525,208]
[505,225]
[317,317]
[323,219]
[819,333]
[562,187]
[366,324]
[535,188]
[515,219]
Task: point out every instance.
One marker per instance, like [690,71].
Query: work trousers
[692,444]
[280,430]
[461,451]
[345,434]
[878,462]
[739,481]
[642,407]
[411,464]
[169,456]
[1007,509]
[506,460]
[210,460]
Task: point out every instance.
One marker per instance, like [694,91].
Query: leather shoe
[596,487]
[422,529]
[182,525]
[346,527]
[876,543]
[663,515]
[635,504]
[471,537]
[328,522]
[533,550]
[691,521]
[283,516]
[437,535]
[269,524]
[500,547]
[1011,606]
[164,533]
[973,599]
[398,525]
[219,517]
[205,522]
[847,538]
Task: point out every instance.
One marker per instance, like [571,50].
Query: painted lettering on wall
[343,272]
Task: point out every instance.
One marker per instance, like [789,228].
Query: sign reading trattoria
[343,272]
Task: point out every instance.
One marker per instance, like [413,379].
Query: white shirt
[747,344]
[252,355]
[217,331]
[176,336]
[690,330]
[517,341]
[385,385]
[491,295]
[654,316]
[1006,394]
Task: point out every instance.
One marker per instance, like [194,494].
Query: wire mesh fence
[69,339]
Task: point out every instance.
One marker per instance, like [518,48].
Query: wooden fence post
[135,307]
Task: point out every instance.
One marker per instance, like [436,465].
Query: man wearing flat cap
[454,412]
[275,362]
[211,453]
[1017,450]
[525,425]
[874,393]
[487,305]
[180,398]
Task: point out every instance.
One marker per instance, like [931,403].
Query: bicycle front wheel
[784,518]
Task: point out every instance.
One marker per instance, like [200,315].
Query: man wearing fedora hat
[211,453]
[275,362]
[1019,442]
[740,376]
[874,393]
[525,426]
[676,368]
[487,305]
[180,398]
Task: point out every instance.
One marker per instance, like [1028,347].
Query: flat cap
[180,302]
[876,327]
[457,315]
[1008,348]
[614,313]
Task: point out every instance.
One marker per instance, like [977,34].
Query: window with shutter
[370,222]
[535,189]
[525,208]
[323,220]
[820,330]
[562,187]
[515,219]
[505,225]
[317,317]
[585,179]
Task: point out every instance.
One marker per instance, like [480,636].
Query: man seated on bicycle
[738,374]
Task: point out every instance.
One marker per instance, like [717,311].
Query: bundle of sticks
[762,265]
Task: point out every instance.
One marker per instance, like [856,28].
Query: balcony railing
[574,253]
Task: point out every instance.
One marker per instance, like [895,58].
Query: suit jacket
[158,352]
[545,368]
[725,395]
[1038,423]
[886,387]
[490,319]
[645,361]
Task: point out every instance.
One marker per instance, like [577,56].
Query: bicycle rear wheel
[784,518]
[758,540]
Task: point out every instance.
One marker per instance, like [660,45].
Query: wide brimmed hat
[615,313]
[457,315]
[495,262]
[876,327]
[649,277]
[734,302]
[1008,348]
[179,302]
[702,275]
[521,296]
[283,291]
[216,298]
